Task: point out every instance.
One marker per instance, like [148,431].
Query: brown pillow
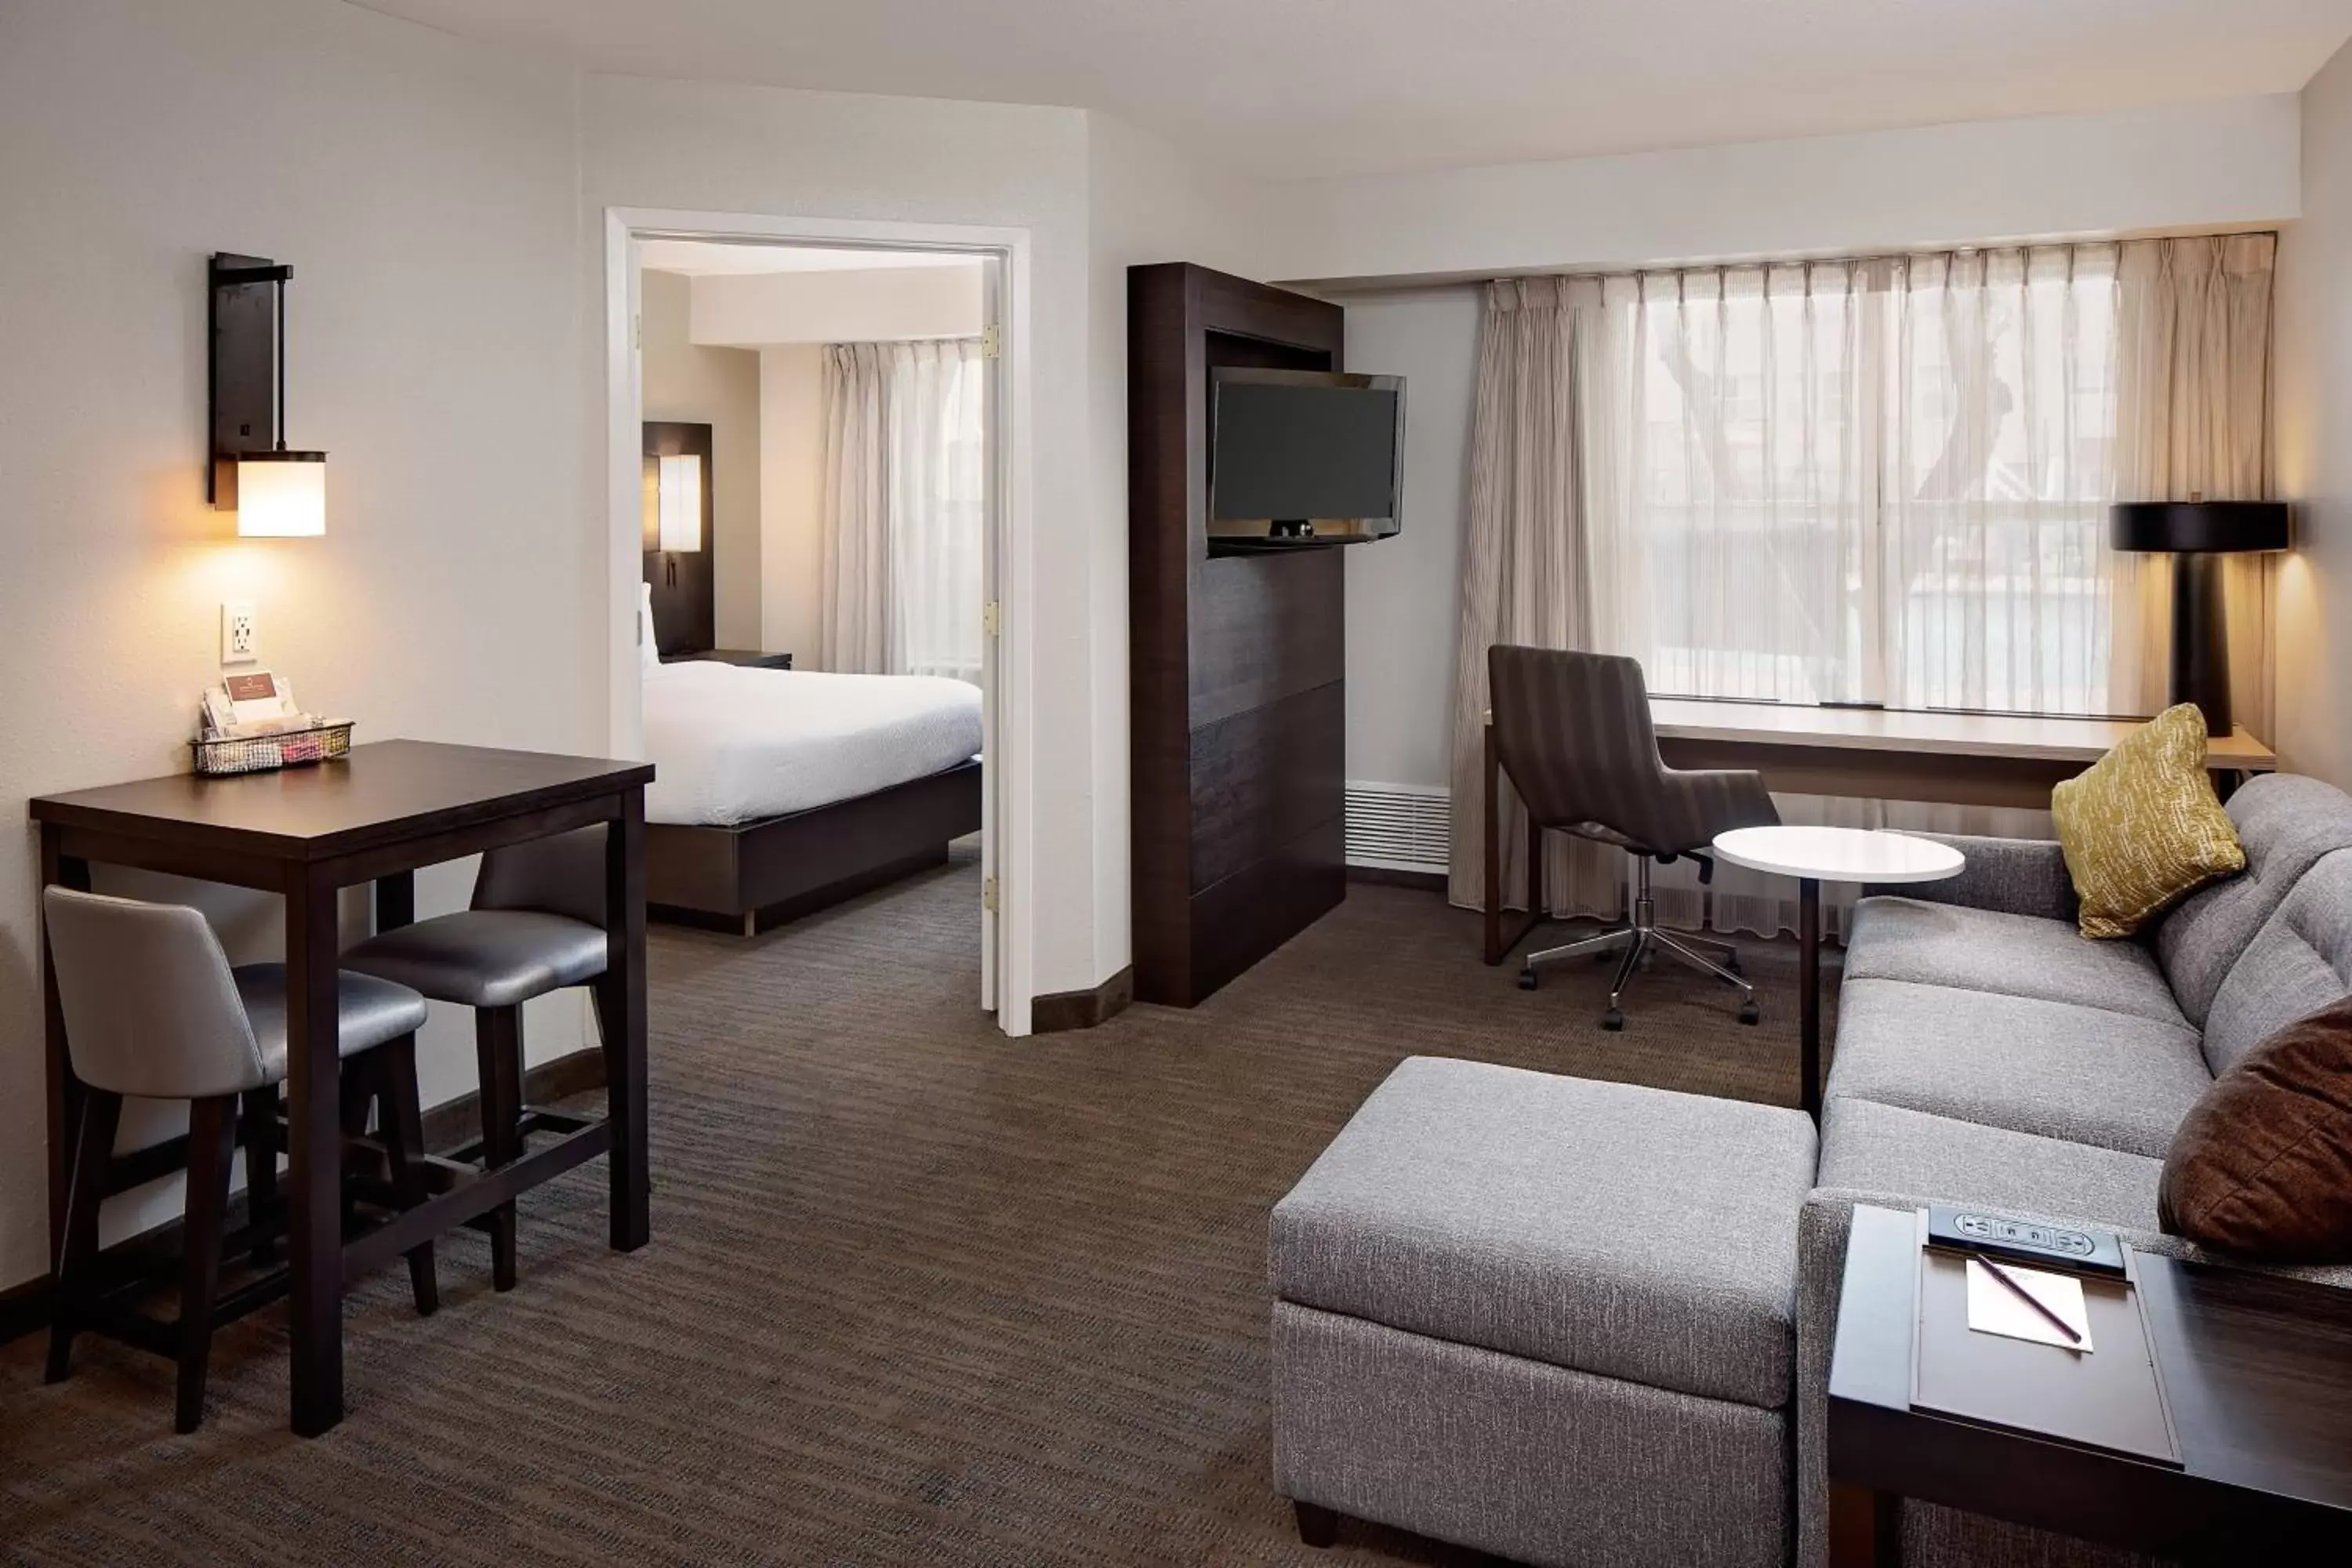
[2263,1163]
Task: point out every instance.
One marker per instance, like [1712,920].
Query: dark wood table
[307,833]
[2257,1372]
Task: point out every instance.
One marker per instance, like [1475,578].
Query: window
[1879,481]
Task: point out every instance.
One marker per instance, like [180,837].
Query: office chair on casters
[1571,731]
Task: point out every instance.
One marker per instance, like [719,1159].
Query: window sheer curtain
[1882,480]
[904,507]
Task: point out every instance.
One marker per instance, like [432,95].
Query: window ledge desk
[305,833]
[1878,753]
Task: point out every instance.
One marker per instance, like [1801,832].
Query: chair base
[1636,939]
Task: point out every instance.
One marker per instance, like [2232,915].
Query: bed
[778,792]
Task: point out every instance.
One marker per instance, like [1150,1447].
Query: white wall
[1146,202]
[2228,162]
[791,501]
[872,305]
[694,385]
[2314,440]
[1404,593]
[456,592]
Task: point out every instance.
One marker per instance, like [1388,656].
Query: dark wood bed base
[762,873]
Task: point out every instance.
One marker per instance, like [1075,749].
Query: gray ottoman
[1544,1317]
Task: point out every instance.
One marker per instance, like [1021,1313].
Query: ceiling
[710,258]
[1296,88]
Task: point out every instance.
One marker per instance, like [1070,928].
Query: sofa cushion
[1886,1152]
[2263,1163]
[2015,955]
[2050,1068]
[2297,964]
[2286,822]
[1607,1227]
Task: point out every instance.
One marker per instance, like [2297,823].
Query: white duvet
[732,745]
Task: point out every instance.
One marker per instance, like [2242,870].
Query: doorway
[776,282]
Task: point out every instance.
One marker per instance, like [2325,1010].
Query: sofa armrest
[2006,876]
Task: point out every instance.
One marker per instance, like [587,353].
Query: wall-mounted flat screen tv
[1303,458]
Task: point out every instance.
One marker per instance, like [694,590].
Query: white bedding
[731,745]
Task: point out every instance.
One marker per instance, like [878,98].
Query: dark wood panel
[1262,778]
[1213,641]
[1265,628]
[1249,914]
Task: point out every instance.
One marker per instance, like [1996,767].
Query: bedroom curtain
[904,507]
[1877,479]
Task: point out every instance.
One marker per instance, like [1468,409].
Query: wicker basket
[264,754]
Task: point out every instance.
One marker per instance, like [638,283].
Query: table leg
[621,1021]
[395,902]
[1809,1015]
[314,1211]
[64,1091]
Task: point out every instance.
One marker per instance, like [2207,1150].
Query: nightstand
[750,658]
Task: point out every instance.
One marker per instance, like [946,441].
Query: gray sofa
[1590,1324]
[1988,1055]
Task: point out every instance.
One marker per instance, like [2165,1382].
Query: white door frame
[1006,779]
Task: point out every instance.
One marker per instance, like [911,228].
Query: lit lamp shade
[681,482]
[281,495]
[2201,532]
[2181,527]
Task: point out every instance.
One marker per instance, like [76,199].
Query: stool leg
[402,1121]
[212,1144]
[261,1168]
[497,1053]
[101,1114]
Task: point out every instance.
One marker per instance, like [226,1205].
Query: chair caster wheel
[1527,979]
[1750,1013]
[1613,1019]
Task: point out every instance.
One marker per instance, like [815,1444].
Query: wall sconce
[679,482]
[275,493]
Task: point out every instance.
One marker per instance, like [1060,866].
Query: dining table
[373,818]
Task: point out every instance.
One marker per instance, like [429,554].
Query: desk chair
[153,1010]
[1572,732]
[537,925]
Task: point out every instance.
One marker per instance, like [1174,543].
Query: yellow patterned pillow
[2143,826]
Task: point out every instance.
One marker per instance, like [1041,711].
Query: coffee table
[1818,855]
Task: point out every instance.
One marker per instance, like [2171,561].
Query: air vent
[1399,828]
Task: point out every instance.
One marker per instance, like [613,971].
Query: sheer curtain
[904,507]
[1880,480]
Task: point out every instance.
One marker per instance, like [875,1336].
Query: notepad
[1994,1307]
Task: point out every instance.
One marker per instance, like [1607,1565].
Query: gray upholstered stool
[154,1011]
[1545,1318]
[537,925]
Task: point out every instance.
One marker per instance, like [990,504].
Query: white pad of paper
[1994,1309]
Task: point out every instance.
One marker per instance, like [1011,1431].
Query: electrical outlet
[239,643]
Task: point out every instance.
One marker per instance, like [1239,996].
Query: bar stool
[154,1011]
[536,926]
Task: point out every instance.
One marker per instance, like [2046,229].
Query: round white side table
[1818,855]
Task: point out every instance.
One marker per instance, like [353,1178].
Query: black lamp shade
[2182,526]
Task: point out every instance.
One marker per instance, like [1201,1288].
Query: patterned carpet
[916,1294]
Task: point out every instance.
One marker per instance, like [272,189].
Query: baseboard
[459,1120]
[1389,877]
[1059,1010]
[25,1307]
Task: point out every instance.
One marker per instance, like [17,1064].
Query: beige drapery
[854,604]
[2143,373]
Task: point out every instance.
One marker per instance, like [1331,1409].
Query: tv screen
[1302,458]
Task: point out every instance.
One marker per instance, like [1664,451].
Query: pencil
[2027,1296]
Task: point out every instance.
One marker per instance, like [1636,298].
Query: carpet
[916,1294]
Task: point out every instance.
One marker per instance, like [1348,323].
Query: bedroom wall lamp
[679,482]
[276,493]
[2201,531]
